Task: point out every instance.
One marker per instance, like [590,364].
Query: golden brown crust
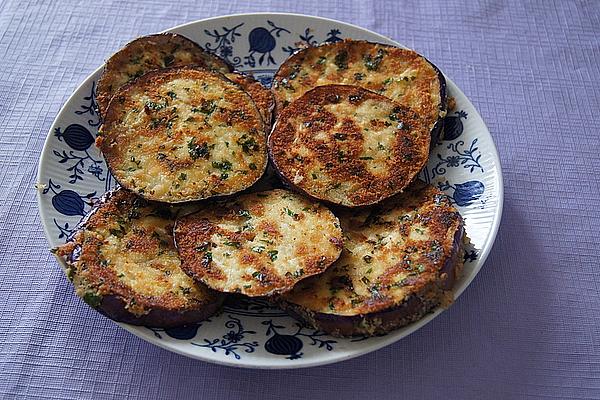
[258,244]
[148,53]
[348,146]
[122,261]
[399,74]
[399,262]
[183,134]
[263,97]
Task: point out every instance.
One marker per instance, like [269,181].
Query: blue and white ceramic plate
[251,333]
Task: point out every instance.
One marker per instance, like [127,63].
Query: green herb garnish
[272,254]
[248,144]
[168,60]
[197,150]
[372,63]
[341,60]
[244,213]
[222,165]
[155,106]
[290,213]
[259,276]
[93,299]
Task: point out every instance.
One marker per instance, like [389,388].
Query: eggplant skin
[348,146]
[114,307]
[401,261]
[376,324]
[148,53]
[402,75]
[415,307]
[183,134]
[123,262]
[262,97]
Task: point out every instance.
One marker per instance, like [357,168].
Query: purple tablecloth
[529,325]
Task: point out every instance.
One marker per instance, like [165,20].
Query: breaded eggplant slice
[123,262]
[400,261]
[263,97]
[183,134]
[258,244]
[399,74]
[147,53]
[348,146]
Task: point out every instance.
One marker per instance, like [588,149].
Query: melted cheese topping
[186,135]
[126,249]
[260,243]
[390,252]
[150,53]
[348,146]
[401,75]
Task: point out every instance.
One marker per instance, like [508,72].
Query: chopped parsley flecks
[185,290]
[396,114]
[151,105]
[294,72]
[341,60]
[197,150]
[248,144]
[372,63]
[244,213]
[290,213]
[207,107]
[298,273]
[203,247]
[222,165]
[120,232]
[259,276]
[272,254]
[93,299]
[206,258]
[168,60]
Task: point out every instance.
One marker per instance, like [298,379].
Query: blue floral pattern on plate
[253,332]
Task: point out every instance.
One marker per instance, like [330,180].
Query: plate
[251,333]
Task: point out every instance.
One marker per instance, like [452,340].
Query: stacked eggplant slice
[346,240]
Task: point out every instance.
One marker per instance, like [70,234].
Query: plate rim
[386,341]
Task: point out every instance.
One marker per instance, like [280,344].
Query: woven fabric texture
[528,326]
